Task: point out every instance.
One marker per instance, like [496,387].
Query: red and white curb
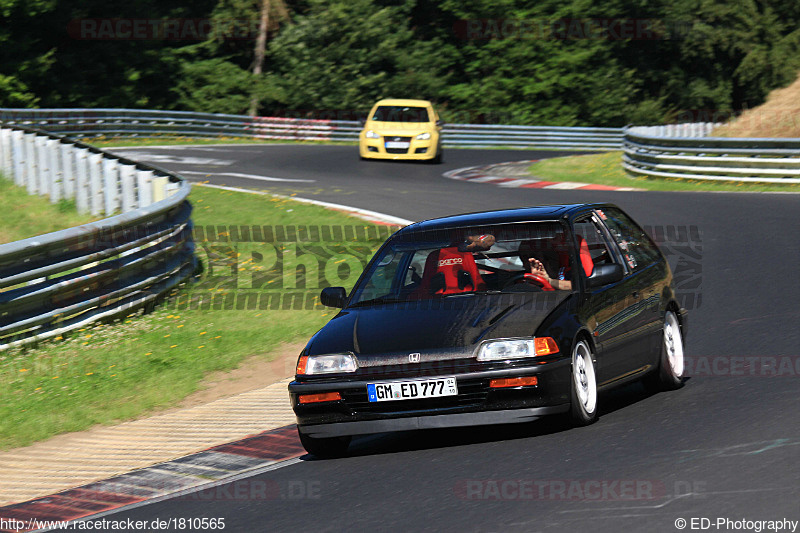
[483,174]
[194,477]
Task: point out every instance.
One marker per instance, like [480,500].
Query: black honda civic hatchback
[491,318]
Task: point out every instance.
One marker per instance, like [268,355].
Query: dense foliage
[557,62]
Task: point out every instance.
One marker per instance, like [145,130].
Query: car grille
[471,392]
[396,150]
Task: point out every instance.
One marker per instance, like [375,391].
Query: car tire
[583,385]
[438,157]
[669,374]
[325,447]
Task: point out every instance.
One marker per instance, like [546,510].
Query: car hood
[437,329]
[399,129]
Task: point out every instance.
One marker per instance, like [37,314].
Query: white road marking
[567,185]
[487,179]
[355,210]
[517,183]
[247,176]
[184,160]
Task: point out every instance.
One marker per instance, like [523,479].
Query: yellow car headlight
[423,136]
[372,135]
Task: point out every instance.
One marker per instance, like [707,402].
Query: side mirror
[605,274]
[440,122]
[333,296]
[362,121]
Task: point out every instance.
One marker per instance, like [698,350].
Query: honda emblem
[413,358]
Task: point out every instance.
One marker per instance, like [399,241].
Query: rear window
[391,113]
[636,247]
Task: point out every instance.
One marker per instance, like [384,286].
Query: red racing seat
[449,271]
[585,256]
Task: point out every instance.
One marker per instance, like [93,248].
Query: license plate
[411,390]
[397,144]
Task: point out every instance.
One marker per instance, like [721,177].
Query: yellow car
[402,129]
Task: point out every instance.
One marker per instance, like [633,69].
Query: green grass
[23,215]
[114,372]
[606,169]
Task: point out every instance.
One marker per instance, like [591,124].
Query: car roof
[504,216]
[404,102]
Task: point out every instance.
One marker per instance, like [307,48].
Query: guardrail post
[30,163]
[110,186]
[43,163]
[18,157]
[68,164]
[5,152]
[95,184]
[144,187]
[159,188]
[82,180]
[127,175]
[56,170]
[171,188]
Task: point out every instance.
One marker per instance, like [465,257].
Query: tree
[346,55]
[265,24]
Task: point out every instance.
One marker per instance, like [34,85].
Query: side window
[636,247]
[598,246]
[413,274]
[381,281]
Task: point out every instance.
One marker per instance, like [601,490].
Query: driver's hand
[537,268]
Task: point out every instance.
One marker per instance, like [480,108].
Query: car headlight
[423,136]
[372,135]
[502,349]
[326,364]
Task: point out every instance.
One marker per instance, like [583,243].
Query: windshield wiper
[381,300]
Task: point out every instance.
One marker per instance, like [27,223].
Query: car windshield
[424,265]
[395,113]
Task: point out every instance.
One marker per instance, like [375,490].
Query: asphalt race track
[725,445]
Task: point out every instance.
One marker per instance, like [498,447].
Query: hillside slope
[779,116]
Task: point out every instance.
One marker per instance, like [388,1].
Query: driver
[533,261]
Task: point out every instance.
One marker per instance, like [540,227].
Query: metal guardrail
[61,281]
[88,123]
[686,152]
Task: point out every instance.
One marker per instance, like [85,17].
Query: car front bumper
[475,404]
[418,149]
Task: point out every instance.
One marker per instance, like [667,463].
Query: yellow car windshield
[392,113]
